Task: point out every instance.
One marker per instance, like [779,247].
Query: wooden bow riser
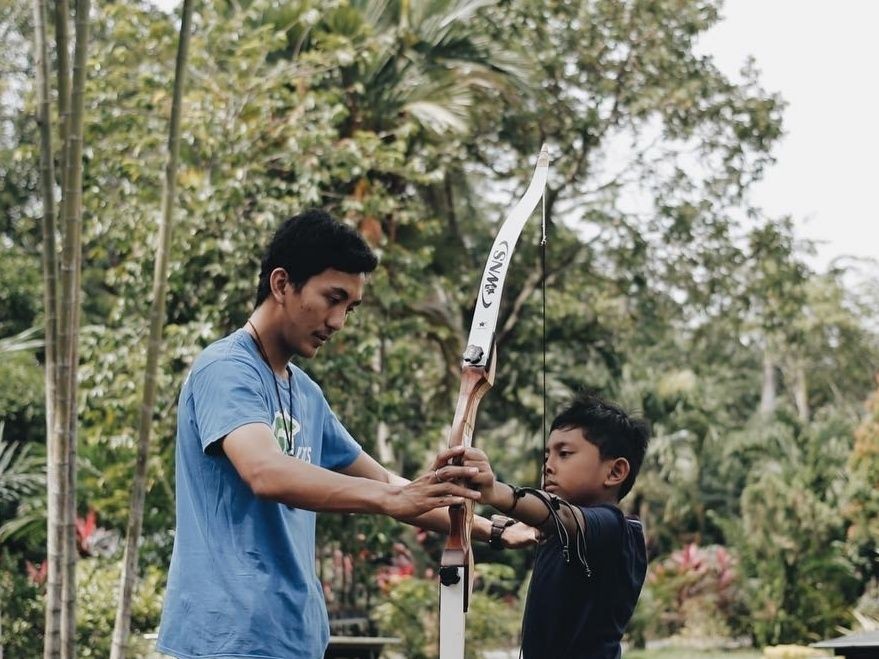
[475,382]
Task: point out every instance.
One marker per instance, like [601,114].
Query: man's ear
[278,282]
[619,471]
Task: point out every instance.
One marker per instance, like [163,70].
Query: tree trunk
[769,392]
[382,432]
[801,389]
[157,318]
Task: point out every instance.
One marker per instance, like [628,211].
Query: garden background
[418,122]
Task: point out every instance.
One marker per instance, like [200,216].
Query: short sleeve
[226,395]
[340,449]
[604,532]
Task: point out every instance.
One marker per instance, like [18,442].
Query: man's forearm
[302,485]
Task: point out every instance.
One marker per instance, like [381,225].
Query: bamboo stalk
[50,302]
[122,625]
[57,469]
[69,330]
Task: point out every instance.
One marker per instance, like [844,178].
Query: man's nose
[336,319]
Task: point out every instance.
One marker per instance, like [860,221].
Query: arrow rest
[449,575]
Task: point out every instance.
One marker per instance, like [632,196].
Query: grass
[681,653]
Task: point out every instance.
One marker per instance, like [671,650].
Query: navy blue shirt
[571,616]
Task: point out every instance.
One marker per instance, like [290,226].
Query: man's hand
[438,488]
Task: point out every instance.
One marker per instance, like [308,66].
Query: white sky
[822,57]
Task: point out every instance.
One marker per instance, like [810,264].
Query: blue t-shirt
[242,580]
[571,616]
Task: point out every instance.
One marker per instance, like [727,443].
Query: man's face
[574,469]
[319,309]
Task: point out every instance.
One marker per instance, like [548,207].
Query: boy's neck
[610,498]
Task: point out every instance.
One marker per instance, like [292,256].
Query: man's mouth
[321,338]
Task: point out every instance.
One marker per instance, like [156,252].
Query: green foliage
[21,391]
[862,506]
[21,472]
[21,608]
[97,585]
[418,124]
[800,585]
[410,613]
[22,598]
[20,290]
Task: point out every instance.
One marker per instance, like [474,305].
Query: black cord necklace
[262,353]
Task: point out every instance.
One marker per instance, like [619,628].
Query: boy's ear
[619,471]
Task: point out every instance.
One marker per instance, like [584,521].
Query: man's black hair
[307,244]
[607,426]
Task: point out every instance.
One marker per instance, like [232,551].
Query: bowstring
[542,473]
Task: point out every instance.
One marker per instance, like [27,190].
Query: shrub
[694,592]
[410,611]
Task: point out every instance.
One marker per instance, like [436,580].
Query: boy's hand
[493,492]
[519,536]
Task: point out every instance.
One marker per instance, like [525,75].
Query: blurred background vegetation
[418,122]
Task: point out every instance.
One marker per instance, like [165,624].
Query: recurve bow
[477,377]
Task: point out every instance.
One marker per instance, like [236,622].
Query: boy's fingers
[446,455]
[451,472]
[473,453]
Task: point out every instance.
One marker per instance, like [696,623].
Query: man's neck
[259,326]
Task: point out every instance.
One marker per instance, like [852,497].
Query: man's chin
[305,350]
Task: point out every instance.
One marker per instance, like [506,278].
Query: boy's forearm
[529,508]
[438,520]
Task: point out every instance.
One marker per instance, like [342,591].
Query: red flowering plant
[93,540]
[694,592]
[37,574]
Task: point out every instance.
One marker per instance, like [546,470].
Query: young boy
[591,564]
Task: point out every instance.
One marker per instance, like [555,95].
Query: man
[259,451]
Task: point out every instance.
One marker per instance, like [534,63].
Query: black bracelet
[518,493]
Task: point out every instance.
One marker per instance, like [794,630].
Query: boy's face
[319,309]
[575,471]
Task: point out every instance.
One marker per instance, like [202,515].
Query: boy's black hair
[307,244]
[607,426]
